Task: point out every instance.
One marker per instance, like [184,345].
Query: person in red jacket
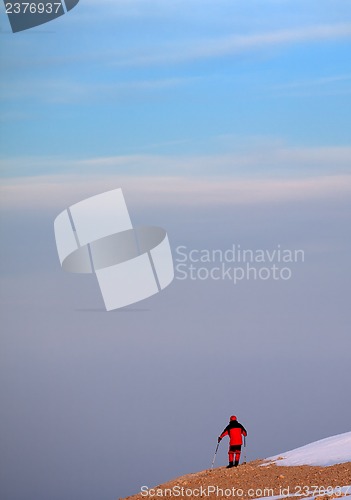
[235,432]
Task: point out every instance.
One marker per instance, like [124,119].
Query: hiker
[235,432]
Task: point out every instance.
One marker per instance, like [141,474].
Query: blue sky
[225,122]
[172,78]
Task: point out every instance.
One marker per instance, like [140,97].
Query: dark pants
[234,449]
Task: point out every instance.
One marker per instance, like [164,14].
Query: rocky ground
[251,481]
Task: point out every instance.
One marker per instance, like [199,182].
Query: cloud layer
[60,191]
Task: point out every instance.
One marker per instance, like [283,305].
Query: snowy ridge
[328,451]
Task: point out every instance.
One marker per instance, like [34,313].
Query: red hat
[233,417]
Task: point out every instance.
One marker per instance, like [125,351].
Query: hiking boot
[230,465]
[236,463]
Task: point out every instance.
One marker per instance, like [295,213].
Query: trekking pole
[244,450]
[214,457]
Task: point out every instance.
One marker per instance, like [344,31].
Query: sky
[227,123]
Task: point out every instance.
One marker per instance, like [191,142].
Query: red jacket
[235,432]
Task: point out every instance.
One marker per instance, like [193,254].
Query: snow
[328,451]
